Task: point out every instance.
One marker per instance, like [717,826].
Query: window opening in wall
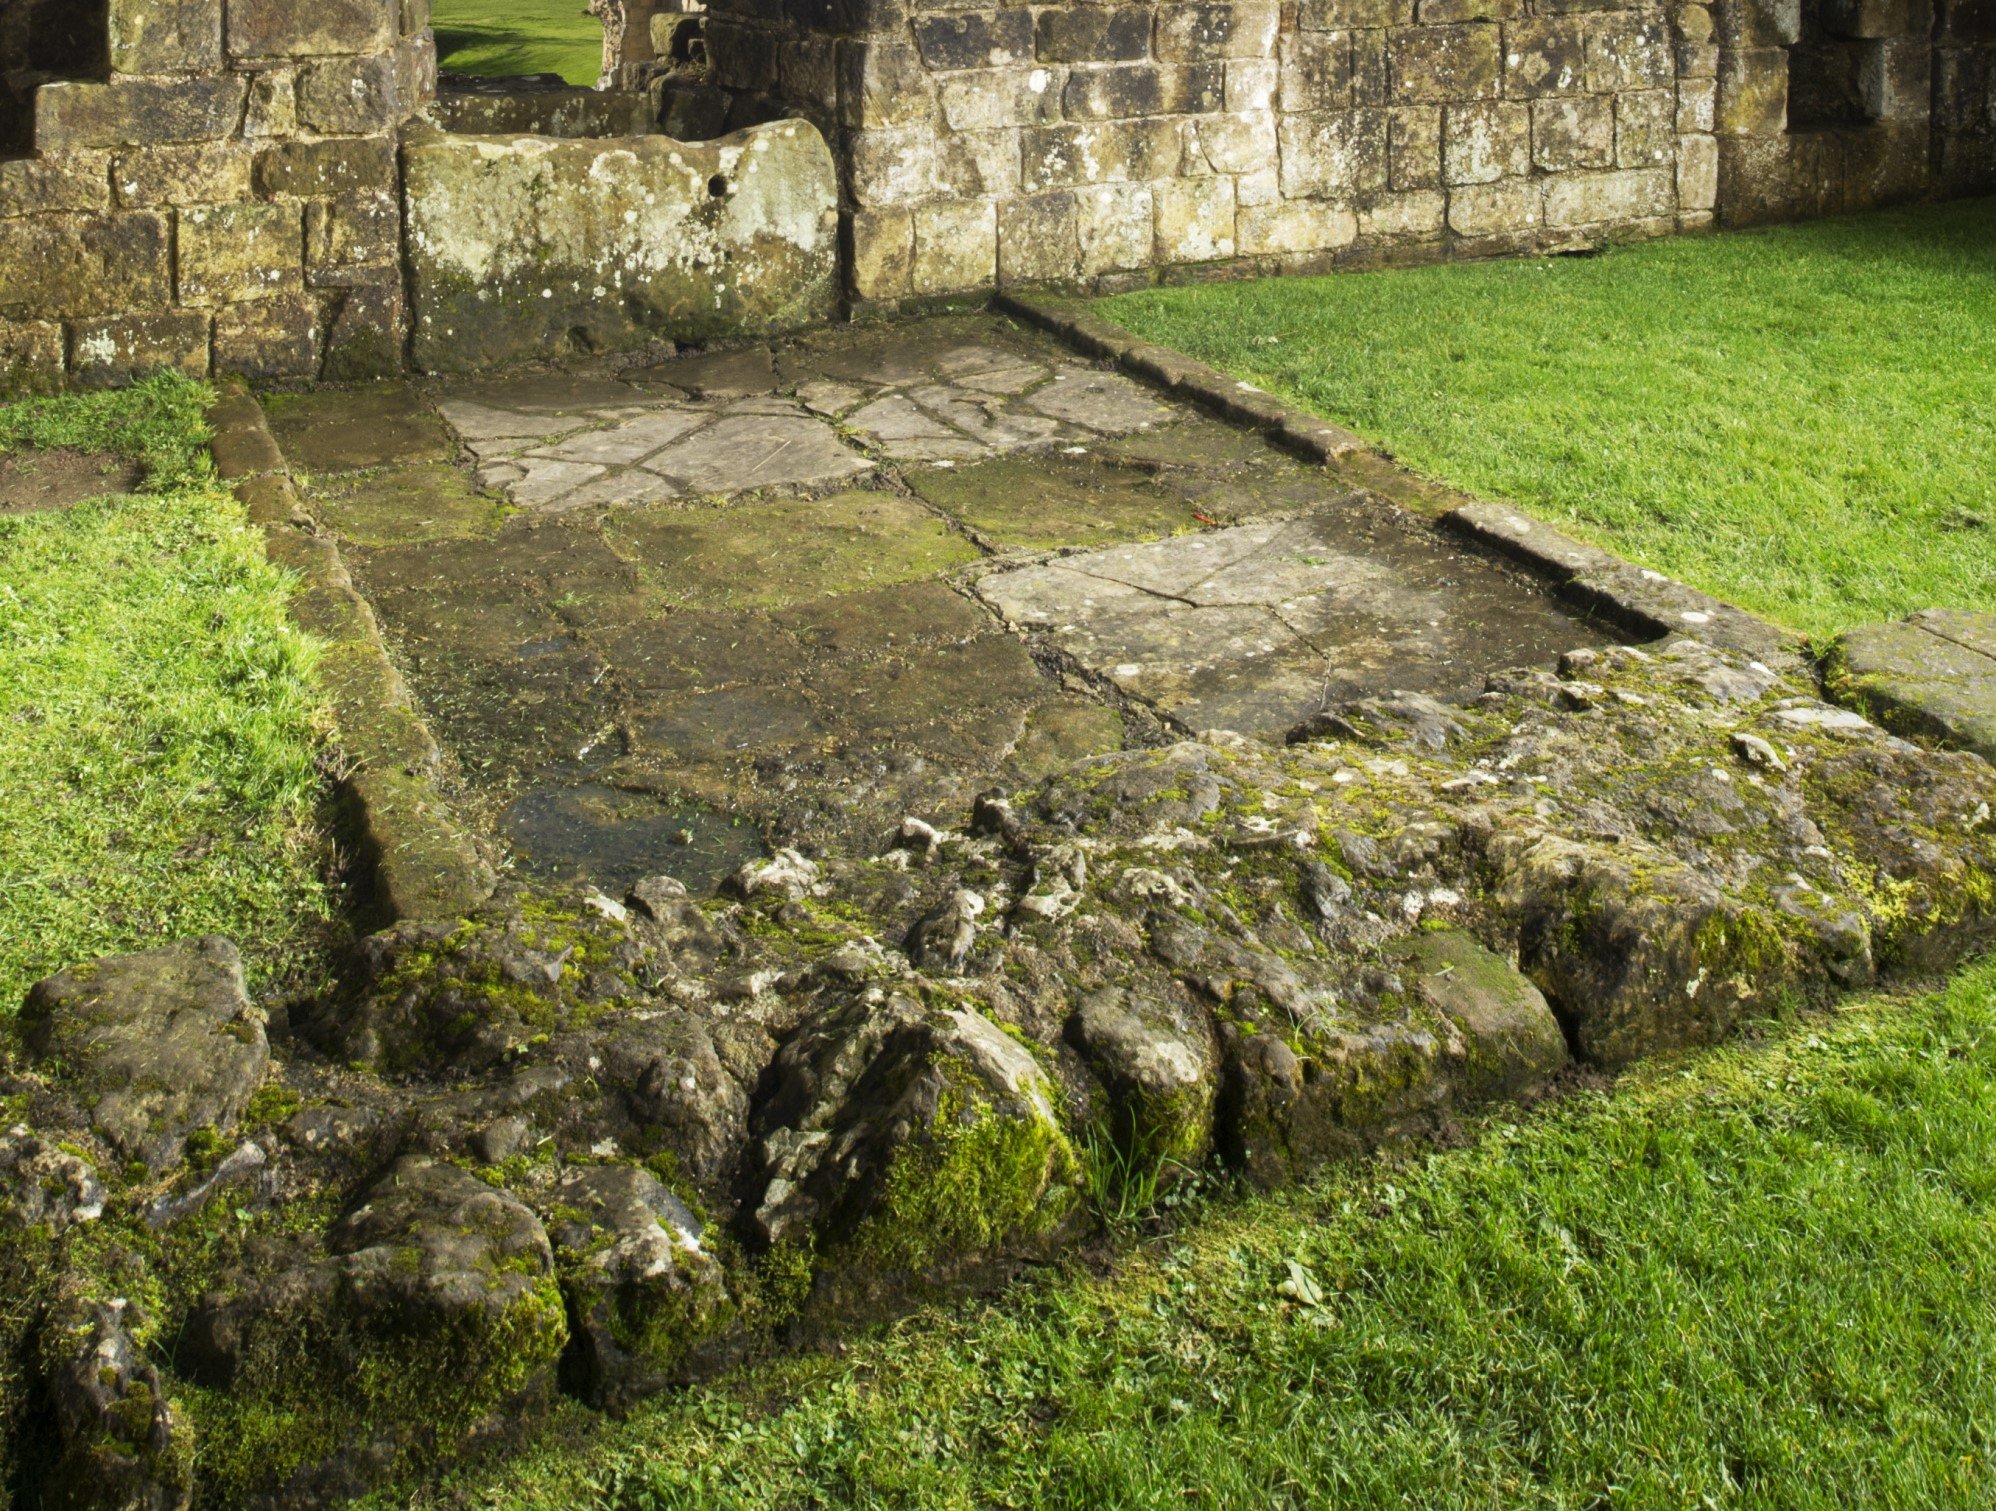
[549,41]
[41,40]
[1825,88]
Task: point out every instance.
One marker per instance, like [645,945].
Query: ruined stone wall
[1096,142]
[183,186]
[1088,141]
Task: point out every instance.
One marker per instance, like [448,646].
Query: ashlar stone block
[1114,226]
[1335,155]
[165,36]
[1039,239]
[1573,133]
[1092,34]
[975,39]
[1316,71]
[1697,172]
[1133,91]
[1507,206]
[39,186]
[883,84]
[986,98]
[956,246]
[1485,142]
[1591,199]
[122,348]
[882,258]
[136,112]
[233,253]
[78,265]
[1627,50]
[1195,219]
[311,28]
[1414,147]
[1753,91]
[1445,63]
[1545,57]
[349,96]
[1295,225]
[200,173]
[1645,128]
[1210,29]
[269,338]
[1697,105]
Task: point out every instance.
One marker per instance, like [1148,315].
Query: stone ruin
[279,190]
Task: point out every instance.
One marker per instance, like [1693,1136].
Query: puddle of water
[614,838]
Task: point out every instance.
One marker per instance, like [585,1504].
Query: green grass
[1797,419]
[505,37]
[157,721]
[1758,1277]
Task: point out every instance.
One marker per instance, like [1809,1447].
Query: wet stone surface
[664,618]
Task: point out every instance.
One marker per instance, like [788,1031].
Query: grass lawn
[157,722]
[503,37]
[1757,1277]
[1799,419]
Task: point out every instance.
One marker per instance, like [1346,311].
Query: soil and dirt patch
[33,481]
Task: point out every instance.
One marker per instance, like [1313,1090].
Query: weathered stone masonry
[208,187]
[1099,141]
[200,187]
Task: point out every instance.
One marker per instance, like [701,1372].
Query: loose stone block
[349,96]
[1195,219]
[1573,133]
[1627,51]
[1645,128]
[237,252]
[1443,63]
[288,29]
[956,247]
[1414,147]
[1092,34]
[975,39]
[39,186]
[1332,156]
[1128,91]
[1114,225]
[1295,225]
[514,247]
[165,36]
[1697,172]
[1584,199]
[1545,57]
[203,173]
[1316,71]
[1038,239]
[883,84]
[883,252]
[324,170]
[1753,92]
[136,112]
[69,266]
[269,338]
[1486,142]
[1490,209]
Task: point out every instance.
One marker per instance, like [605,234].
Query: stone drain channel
[666,618]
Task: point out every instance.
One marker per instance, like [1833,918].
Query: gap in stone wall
[42,40]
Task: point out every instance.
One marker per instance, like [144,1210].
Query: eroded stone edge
[424,863]
[1635,600]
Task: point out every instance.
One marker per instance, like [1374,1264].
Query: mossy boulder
[153,1045]
[121,1441]
[644,1291]
[1157,1061]
[903,1136]
[1512,1044]
[397,1336]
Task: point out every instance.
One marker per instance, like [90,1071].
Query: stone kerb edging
[1636,600]
[423,862]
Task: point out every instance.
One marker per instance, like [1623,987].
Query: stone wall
[1097,142]
[205,190]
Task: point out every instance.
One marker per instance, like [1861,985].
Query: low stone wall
[522,247]
[207,192]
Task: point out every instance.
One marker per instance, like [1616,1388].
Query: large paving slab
[1932,674]
[664,618]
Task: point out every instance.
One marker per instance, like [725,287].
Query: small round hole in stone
[718,186]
